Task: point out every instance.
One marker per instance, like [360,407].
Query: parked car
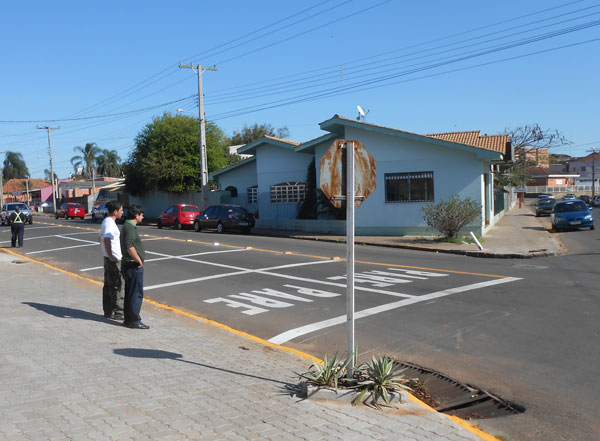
[571,214]
[596,201]
[569,197]
[9,208]
[178,216]
[225,217]
[544,206]
[70,210]
[99,212]
[585,198]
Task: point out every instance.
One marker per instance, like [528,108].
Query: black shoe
[138,325]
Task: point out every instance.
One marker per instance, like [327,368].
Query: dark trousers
[17,231]
[134,292]
[113,292]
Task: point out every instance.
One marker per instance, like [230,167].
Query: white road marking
[51,235]
[89,243]
[170,257]
[307,329]
[29,229]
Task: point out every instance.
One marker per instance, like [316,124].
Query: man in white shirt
[113,292]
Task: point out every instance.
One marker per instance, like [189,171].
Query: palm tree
[86,159]
[109,163]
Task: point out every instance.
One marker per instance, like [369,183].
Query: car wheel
[177,225]
[247,230]
[197,227]
[56,215]
[94,218]
[158,224]
[592,227]
[30,221]
[220,227]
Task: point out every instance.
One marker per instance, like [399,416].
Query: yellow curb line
[463,423]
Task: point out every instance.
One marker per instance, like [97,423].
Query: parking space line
[46,237]
[89,243]
[170,257]
[307,329]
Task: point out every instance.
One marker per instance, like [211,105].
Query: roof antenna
[361,113]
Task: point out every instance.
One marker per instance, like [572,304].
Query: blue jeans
[134,293]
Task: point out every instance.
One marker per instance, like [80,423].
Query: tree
[530,136]
[250,134]
[109,163]
[86,158]
[166,156]
[449,217]
[14,166]
[48,174]
[309,207]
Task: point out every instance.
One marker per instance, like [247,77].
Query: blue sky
[435,66]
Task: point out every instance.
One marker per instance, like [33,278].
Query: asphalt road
[526,330]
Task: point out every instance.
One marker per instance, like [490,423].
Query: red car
[178,216]
[70,210]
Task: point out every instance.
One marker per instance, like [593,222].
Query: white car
[569,197]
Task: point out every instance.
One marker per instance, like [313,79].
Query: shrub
[379,378]
[328,374]
[449,217]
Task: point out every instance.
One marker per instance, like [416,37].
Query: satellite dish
[361,113]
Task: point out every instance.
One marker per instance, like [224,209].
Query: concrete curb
[482,254]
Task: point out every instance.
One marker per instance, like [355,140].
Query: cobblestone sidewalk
[67,373]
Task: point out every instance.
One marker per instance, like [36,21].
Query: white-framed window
[287,192]
[253,194]
[409,187]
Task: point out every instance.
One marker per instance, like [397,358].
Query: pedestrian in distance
[113,292]
[17,227]
[132,267]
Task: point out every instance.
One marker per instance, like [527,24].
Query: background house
[412,171]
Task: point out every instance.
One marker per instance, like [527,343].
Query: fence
[539,189]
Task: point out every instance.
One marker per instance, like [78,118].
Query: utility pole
[593,150]
[1,185]
[51,165]
[203,160]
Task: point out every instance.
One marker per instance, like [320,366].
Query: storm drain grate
[455,398]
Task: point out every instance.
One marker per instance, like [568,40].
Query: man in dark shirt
[132,267]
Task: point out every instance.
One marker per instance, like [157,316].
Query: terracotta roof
[497,143]
[9,186]
[287,141]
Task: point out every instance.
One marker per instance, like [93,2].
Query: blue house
[412,171]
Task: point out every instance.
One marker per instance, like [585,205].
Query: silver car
[9,208]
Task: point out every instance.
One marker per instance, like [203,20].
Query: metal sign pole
[350,253]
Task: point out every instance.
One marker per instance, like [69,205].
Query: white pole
[350,252]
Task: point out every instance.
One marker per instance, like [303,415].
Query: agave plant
[379,378]
[328,374]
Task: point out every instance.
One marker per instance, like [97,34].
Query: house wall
[241,178]
[455,172]
[275,165]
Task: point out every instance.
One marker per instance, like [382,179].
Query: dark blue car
[571,214]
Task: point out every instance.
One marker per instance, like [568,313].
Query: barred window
[288,192]
[409,187]
[253,194]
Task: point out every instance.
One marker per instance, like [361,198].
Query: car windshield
[547,202]
[571,207]
[13,206]
[190,209]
